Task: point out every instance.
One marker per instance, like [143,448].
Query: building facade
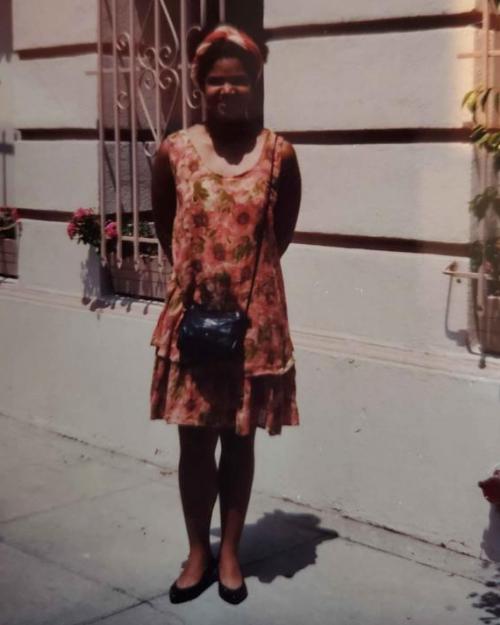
[398,420]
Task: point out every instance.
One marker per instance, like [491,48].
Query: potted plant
[147,280]
[485,262]
[483,102]
[10,226]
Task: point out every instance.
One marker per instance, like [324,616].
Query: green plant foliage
[485,254]
[479,205]
[476,255]
[480,135]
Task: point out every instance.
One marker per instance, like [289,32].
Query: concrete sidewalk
[92,536]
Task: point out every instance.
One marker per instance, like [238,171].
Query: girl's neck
[234,131]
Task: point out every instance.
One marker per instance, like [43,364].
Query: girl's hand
[163,198]
[286,210]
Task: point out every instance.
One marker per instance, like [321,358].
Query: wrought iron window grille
[144,91]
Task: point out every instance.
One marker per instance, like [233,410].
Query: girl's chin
[224,111]
[229,117]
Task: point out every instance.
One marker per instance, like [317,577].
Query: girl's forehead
[227,64]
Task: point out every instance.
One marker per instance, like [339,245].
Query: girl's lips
[229,105]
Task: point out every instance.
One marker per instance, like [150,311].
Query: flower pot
[8,257]
[147,281]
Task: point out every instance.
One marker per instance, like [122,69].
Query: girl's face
[228,90]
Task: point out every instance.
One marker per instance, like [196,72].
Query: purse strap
[261,225]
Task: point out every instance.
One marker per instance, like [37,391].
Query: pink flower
[82,212]
[71,229]
[110,230]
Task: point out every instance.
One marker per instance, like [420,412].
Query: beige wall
[295,12]
[384,378]
[397,190]
[49,23]
[360,81]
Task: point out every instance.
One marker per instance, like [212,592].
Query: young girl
[209,194]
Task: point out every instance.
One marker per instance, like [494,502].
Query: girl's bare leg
[198,489]
[236,470]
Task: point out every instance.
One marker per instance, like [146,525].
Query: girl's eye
[241,81]
[236,81]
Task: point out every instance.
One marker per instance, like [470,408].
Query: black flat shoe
[233,595]
[180,595]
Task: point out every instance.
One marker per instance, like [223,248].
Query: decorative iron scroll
[144,91]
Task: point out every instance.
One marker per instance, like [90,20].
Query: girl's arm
[163,198]
[286,210]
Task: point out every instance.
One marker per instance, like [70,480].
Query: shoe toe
[233,595]
[180,595]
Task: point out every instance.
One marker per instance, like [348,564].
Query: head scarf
[230,33]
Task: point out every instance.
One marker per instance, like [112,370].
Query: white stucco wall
[73,164]
[383,374]
[382,80]
[50,23]
[50,261]
[400,190]
[52,92]
[376,425]
[393,298]
[296,12]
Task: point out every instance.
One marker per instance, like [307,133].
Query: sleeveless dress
[214,253]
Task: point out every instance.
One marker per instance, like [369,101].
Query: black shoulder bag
[212,335]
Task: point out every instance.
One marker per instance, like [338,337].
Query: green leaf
[477,132]
[472,100]
[467,96]
[480,203]
[484,139]
[484,97]
[495,139]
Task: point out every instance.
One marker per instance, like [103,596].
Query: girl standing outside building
[217,189]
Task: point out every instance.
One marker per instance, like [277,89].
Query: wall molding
[378,135]
[464,364]
[323,239]
[375,26]
[50,52]
[380,243]
[348,136]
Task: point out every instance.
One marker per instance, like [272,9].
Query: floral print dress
[214,253]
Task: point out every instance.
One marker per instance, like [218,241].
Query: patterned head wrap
[229,33]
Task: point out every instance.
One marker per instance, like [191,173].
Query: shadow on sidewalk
[489,601]
[280,543]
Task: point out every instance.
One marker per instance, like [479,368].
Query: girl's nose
[227,87]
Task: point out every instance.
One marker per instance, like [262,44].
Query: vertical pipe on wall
[222,10]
